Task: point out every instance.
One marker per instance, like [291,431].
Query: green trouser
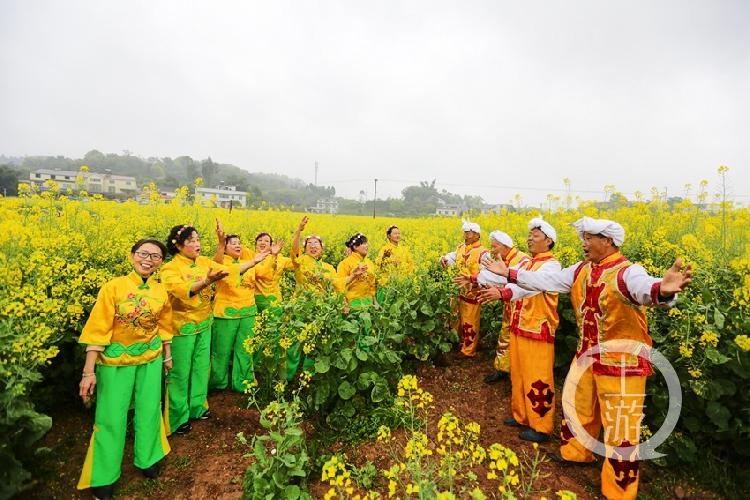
[294,355]
[116,387]
[187,381]
[229,335]
[358,305]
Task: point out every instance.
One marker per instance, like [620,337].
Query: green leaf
[322,364]
[380,391]
[719,415]
[718,319]
[715,356]
[346,390]
[426,309]
[292,492]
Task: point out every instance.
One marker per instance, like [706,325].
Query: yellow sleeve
[172,279]
[165,322]
[344,269]
[100,325]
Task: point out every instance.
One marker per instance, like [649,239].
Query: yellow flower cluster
[337,476]
[743,341]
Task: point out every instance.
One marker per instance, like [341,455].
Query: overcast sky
[491,98]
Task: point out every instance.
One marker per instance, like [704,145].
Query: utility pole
[374,198]
[316,173]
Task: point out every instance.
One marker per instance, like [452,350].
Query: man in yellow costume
[467,258]
[532,338]
[608,294]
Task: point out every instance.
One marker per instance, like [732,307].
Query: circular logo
[647,449]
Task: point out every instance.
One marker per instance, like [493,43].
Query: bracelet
[92,374]
[168,359]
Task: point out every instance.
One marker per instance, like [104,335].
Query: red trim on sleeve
[512,275]
[473,279]
[623,287]
[656,293]
[506,294]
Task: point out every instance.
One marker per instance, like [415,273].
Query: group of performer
[608,294]
[191,324]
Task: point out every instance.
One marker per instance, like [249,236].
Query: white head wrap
[544,226]
[502,237]
[605,227]
[470,226]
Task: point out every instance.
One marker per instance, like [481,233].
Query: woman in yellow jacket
[311,274]
[357,272]
[127,338]
[188,278]
[234,317]
[393,259]
[268,272]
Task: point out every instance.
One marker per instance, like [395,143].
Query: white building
[448,210]
[93,182]
[324,206]
[224,196]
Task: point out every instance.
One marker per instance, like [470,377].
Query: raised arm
[296,237]
[222,242]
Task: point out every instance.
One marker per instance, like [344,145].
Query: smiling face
[394,236]
[313,248]
[192,246]
[146,259]
[538,242]
[597,247]
[234,247]
[263,243]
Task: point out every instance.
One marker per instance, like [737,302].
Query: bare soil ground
[208,462]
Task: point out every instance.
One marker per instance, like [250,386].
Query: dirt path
[209,463]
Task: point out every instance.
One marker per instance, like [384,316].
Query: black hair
[356,240]
[260,235]
[138,244]
[390,230]
[178,235]
[231,236]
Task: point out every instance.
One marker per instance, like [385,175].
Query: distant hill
[270,189]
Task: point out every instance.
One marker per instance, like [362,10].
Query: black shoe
[512,422]
[183,429]
[559,460]
[103,492]
[533,436]
[205,416]
[151,472]
[495,377]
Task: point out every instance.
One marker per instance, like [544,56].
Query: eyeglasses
[156,257]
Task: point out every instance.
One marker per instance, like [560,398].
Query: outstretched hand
[276,247]
[676,278]
[303,223]
[495,266]
[462,280]
[487,295]
[220,274]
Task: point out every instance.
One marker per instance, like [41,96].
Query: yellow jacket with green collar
[130,320]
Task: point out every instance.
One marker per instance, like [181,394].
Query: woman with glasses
[128,345]
[188,278]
